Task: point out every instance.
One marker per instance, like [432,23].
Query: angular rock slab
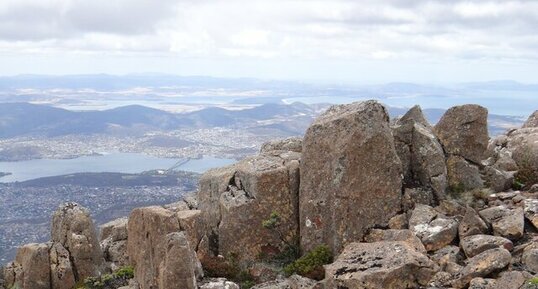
[178,267]
[61,270]
[73,228]
[463,131]
[262,185]
[482,265]
[390,265]
[147,243]
[476,244]
[350,175]
[471,224]
[434,231]
[508,223]
[31,268]
[422,156]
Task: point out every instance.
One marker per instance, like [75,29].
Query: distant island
[3,174]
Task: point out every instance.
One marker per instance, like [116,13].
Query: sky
[367,41]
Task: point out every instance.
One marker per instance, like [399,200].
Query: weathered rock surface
[377,235]
[147,244]
[530,258]
[61,270]
[350,175]
[462,175]
[178,266]
[291,144]
[422,156]
[471,224]
[532,121]
[30,270]
[531,211]
[218,283]
[463,132]
[113,240]
[435,231]
[293,282]
[476,244]
[73,228]
[388,265]
[482,265]
[508,223]
[247,193]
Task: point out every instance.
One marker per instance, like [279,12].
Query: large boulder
[31,269]
[463,131]
[245,195]
[150,244]
[388,265]
[178,266]
[73,228]
[422,156]
[350,175]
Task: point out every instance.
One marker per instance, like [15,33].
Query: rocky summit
[361,202]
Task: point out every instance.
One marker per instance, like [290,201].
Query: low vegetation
[109,281]
[311,264]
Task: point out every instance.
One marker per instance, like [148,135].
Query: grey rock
[508,223]
[463,131]
[380,265]
[482,265]
[293,144]
[476,244]
[350,175]
[73,228]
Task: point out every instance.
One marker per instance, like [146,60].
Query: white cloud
[339,30]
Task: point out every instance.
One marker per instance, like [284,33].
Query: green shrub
[311,264]
[533,281]
[108,281]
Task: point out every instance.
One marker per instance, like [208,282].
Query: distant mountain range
[25,119]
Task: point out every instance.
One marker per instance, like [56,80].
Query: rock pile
[399,204]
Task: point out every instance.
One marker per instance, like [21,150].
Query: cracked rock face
[422,156]
[73,228]
[350,175]
[30,269]
[291,144]
[532,121]
[390,265]
[463,132]
[237,199]
[113,240]
[153,237]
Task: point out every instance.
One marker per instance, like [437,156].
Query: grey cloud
[72,18]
